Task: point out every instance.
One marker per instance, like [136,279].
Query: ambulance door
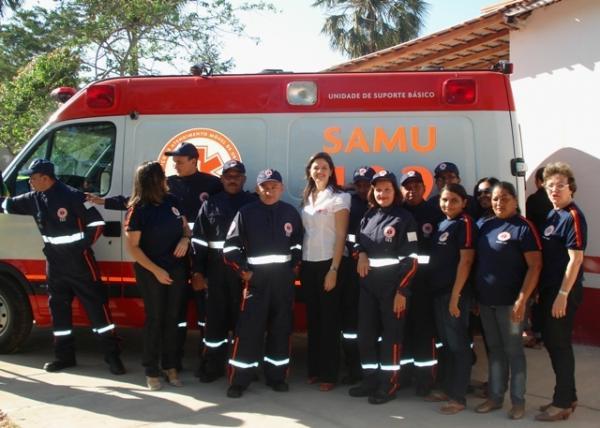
[87,155]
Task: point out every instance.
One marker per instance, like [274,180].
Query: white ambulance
[96,140]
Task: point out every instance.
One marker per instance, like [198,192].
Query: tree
[359,27]
[11,4]
[25,102]
[131,37]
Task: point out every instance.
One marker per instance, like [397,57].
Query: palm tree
[13,4]
[359,27]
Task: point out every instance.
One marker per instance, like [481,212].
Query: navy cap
[40,166]
[184,149]
[268,175]
[411,175]
[233,164]
[446,167]
[384,175]
[363,173]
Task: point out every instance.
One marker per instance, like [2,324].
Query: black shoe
[58,365]
[235,391]
[360,391]
[115,365]
[279,386]
[380,397]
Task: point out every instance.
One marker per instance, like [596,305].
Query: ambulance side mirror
[518,167]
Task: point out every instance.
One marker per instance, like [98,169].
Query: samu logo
[214,149]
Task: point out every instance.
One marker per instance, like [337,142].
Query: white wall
[556,84]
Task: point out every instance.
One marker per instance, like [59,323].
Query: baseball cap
[233,164]
[363,173]
[446,167]
[268,175]
[40,166]
[384,175]
[184,149]
[411,175]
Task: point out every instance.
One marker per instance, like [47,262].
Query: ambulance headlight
[302,93]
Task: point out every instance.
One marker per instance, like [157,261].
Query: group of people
[390,280]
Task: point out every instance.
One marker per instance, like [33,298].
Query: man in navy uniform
[68,230]
[448,173]
[419,344]
[210,272]
[264,246]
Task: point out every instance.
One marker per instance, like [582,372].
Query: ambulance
[396,121]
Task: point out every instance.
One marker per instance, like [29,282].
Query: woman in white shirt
[325,212]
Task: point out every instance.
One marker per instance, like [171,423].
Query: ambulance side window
[82,154]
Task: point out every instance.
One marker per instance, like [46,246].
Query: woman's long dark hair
[310,183]
[149,185]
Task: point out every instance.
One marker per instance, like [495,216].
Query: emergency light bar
[100,96]
[459,91]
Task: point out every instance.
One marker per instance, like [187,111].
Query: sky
[291,40]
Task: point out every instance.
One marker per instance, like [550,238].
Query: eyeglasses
[557,186]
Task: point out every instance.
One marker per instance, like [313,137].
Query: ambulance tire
[16,318]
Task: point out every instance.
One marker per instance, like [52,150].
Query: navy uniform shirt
[67,226]
[537,208]
[390,233]
[191,191]
[427,219]
[212,224]
[161,227]
[452,235]
[358,208]
[565,229]
[259,231]
[501,264]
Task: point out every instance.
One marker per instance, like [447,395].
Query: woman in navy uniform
[359,204]
[264,246]
[509,261]
[325,212]
[564,239]
[387,261]
[158,238]
[452,256]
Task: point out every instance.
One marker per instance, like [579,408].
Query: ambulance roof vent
[302,93]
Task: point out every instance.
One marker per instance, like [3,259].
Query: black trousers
[222,312]
[350,283]
[162,305]
[419,354]
[380,360]
[323,316]
[78,276]
[267,307]
[557,337]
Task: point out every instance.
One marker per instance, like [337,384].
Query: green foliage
[25,102]
[126,37]
[359,27]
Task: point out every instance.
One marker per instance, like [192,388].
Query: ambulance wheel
[15,316]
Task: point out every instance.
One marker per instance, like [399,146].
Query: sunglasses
[484,191]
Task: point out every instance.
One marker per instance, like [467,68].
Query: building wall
[556,85]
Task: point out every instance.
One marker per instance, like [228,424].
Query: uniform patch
[203,196]
[288,229]
[503,236]
[411,236]
[427,228]
[362,171]
[410,174]
[62,214]
[443,237]
[268,173]
[548,231]
[442,166]
[175,211]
